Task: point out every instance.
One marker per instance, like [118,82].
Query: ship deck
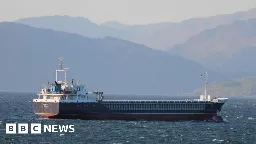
[160,101]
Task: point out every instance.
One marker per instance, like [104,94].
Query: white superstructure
[63,91]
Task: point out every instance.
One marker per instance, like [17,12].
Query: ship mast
[205,85]
[62,70]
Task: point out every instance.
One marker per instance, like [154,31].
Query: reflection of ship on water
[63,99]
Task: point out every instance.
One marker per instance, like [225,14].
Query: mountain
[236,87]
[227,48]
[160,36]
[115,25]
[78,25]
[29,56]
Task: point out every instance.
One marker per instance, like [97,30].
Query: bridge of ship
[63,90]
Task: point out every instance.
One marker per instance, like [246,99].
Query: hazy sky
[124,11]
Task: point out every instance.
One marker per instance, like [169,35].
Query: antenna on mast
[61,62]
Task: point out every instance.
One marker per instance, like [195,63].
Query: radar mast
[62,70]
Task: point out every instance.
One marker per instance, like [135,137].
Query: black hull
[98,111]
[148,117]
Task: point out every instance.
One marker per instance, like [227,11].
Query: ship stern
[46,107]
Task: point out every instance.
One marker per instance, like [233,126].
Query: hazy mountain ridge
[235,87]
[29,55]
[223,48]
[78,25]
[161,36]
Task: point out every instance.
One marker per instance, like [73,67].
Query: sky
[123,11]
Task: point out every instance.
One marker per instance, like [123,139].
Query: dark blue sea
[239,126]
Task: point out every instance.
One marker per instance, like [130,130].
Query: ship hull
[150,117]
[97,111]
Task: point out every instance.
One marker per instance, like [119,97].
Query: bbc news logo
[36,128]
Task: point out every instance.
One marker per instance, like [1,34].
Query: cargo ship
[70,100]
